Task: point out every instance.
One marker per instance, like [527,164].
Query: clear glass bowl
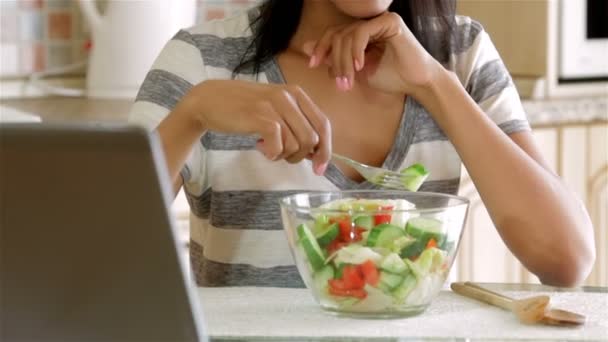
[377,253]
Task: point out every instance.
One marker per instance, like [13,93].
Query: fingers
[360,39]
[293,128]
[300,137]
[322,49]
[321,125]
[343,50]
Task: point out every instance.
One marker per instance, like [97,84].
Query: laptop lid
[88,250]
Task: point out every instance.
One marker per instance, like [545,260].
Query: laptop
[88,249]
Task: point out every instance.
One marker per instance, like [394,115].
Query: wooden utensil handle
[484,295]
[477,286]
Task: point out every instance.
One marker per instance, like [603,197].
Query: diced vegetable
[431,259]
[394,264]
[339,271]
[327,235]
[370,272]
[415,268]
[400,243]
[322,277]
[401,215]
[352,277]
[413,176]
[384,217]
[365,221]
[311,247]
[346,228]
[404,289]
[426,228]
[414,249]
[321,222]
[335,246]
[356,254]
[358,293]
[383,235]
[390,281]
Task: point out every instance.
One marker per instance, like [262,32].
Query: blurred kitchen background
[558,59]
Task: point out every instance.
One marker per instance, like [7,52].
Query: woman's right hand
[290,125]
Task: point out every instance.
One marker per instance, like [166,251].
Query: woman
[387,83]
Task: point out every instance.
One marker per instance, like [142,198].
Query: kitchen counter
[540,113]
[263,314]
[52,109]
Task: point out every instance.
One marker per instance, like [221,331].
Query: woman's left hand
[383,50]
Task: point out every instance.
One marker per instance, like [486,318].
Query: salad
[372,255]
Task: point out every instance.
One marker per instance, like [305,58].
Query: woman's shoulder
[234,26]
[221,42]
[466,33]
[470,47]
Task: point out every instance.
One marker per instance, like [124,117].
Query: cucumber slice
[329,234]
[321,222]
[390,281]
[408,284]
[394,264]
[366,222]
[414,249]
[322,276]
[383,235]
[426,228]
[339,271]
[311,247]
[414,176]
[415,268]
[401,243]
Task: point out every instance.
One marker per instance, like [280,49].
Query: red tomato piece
[346,229]
[370,272]
[384,217]
[352,277]
[358,293]
[335,245]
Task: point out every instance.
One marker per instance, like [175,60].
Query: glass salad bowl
[377,253]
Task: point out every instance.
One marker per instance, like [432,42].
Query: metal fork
[379,176]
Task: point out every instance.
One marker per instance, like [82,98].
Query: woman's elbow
[572,269]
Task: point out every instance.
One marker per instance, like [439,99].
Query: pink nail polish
[357,65]
[339,84]
[346,81]
[320,169]
[313,61]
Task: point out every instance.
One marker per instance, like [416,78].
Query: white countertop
[291,314]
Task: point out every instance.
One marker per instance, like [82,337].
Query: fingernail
[339,83]
[346,82]
[261,141]
[313,61]
[357,65]
[320,169]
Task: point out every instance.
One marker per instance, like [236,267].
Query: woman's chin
[362,9]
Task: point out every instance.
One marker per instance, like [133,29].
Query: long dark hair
[278,20]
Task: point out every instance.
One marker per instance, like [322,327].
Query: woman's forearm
[540,220]
[178,132]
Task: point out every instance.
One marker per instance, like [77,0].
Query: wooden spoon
[530,310]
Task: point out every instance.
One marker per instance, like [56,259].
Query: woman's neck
[317,16]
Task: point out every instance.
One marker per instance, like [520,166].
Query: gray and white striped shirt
[233,191]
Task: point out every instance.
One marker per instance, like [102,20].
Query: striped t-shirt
[234,191]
